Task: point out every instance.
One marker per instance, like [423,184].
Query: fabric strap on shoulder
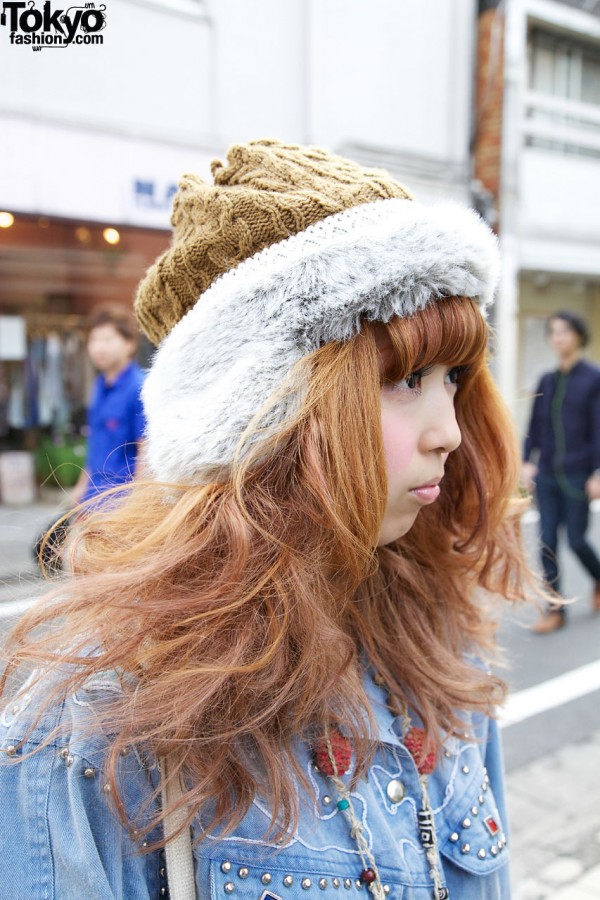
[178,850]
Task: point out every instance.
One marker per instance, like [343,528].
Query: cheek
[398,442]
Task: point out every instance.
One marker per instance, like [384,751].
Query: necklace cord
[345,805]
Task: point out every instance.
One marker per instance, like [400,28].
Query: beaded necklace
[332,757]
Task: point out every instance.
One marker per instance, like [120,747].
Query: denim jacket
[62,840]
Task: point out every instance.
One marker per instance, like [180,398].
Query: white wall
[186,76]
[261,57]
[151,76]
[394,74]
[559,203]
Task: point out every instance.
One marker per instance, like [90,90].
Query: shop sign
[134,180]
[48,27]
[148,194]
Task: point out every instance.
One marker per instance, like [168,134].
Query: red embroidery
[341,750]
[414,741]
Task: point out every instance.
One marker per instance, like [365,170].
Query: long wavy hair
[242,610]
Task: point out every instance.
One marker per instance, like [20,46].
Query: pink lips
[426,493]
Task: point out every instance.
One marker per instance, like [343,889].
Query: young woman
[277,648]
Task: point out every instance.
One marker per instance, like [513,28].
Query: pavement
[554,800]
[554,811]
[19,527]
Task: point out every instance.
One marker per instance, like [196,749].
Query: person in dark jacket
[562,456]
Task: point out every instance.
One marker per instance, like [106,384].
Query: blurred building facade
[537,153]
[493,104]
[93,140]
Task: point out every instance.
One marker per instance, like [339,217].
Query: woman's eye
[456,374]
[412,382]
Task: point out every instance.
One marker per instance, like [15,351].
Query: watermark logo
[42,28]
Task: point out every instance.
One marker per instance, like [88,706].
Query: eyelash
[456,374]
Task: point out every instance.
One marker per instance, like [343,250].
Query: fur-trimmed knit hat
[290,248]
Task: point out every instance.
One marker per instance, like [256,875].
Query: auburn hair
[242,610]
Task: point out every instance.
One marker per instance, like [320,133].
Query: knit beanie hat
[291,248]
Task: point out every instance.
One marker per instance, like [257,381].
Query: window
[564,97]
[590,77]
[563,68]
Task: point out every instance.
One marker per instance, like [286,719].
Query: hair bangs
[451,331]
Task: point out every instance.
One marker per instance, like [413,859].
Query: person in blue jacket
[115,416]
[562,457]
[115,422]
[268,675]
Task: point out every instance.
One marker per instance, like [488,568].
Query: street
[534,660]
[551,724]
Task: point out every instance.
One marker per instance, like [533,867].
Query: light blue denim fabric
[61,839]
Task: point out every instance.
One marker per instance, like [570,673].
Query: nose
[441,431]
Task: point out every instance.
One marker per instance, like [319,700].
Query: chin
[394,531]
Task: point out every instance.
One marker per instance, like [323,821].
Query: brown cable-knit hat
[268,192]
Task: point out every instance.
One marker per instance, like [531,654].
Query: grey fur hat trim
[233,350]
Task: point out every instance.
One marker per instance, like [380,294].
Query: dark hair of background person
[117,315]
[575,323]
